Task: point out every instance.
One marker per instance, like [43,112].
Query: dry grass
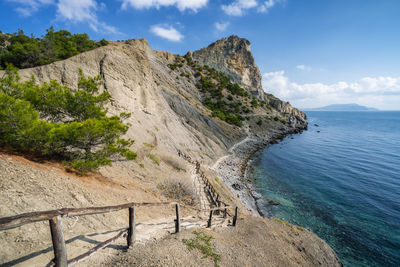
[154,159]
[174,162]
[179,190]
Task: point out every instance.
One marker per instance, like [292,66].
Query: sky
[310,52]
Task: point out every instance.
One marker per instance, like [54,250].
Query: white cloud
[365,91]
[269,4]
[221,26]
[167,32]
[303,67]
[238,7]
[182,5]
[28,7]
[78,11]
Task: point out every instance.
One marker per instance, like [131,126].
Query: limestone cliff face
[233,56]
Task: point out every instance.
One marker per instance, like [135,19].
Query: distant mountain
[343,107]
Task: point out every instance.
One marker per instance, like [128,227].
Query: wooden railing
[212,192]
[55,220]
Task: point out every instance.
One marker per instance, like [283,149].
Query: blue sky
[310,52]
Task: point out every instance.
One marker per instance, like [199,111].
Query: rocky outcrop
[233,56]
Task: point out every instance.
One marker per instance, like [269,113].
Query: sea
[341,180]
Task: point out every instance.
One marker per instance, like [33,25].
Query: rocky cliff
[233,56]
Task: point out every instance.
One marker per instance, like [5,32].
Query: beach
[232,168]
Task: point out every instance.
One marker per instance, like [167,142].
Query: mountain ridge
[342,107]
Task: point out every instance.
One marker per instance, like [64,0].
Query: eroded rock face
[233,56]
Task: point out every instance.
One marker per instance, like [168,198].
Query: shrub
[254,102]
[173,66]
[259,122]
[179,190]
[148,145]
[154,159]
[53,122]
[276,118]
[189,59]
[173,162]
[202,242]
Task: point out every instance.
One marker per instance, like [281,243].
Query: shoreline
[232,168]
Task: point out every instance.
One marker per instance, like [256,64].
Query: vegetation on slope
[226,100]
[202,242]
[24,52]
[53,121]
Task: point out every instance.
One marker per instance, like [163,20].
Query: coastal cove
[340,180]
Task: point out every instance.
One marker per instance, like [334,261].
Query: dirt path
[145,232]
[232,149]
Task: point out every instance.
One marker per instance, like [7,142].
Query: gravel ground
[253,242]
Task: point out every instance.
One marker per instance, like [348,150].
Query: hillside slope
[169,113]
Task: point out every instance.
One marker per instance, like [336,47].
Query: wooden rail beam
[95,249]
[21,219]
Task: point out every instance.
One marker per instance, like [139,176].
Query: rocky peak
[232,55]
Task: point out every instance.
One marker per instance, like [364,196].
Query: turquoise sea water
[343,183]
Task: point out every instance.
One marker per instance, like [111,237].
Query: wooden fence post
[235,217]
[57,236]
[218,203]
[210,220]
[132,227]
[177,220]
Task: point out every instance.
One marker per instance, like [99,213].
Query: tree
[52,121]
[24,51]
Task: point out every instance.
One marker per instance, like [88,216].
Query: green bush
[254,102]
[259,122]
[52,121]
[173,66]
[202,242]
[25,52]
[188,59]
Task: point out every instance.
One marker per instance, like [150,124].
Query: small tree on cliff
[52,121]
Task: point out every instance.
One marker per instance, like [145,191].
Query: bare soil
[253,242]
